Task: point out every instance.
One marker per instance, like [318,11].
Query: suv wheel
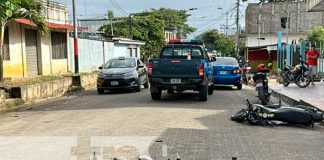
[203,93]
[100,91]
[156,95]
[146,84]
[211,90]
[239,87]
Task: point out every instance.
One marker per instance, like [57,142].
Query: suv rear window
[181,52]
[226,62]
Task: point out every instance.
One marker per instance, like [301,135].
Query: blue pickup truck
[182,65]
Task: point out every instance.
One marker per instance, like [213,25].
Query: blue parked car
[227,72]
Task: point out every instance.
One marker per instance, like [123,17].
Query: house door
[31,52]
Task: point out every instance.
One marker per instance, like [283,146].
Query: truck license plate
[222,72]
[114,83]
[175,81]
[259,85]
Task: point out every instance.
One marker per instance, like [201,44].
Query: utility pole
[259,26]
[226,27]
[237,45]
[76,46]
[287,25]
[131,26]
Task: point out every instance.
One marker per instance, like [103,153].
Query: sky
[208,15]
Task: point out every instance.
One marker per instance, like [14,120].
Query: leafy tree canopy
[315,36]
[219,42]
[149,26]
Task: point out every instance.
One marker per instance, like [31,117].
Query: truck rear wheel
[155,93]
[203,93]
[211,89]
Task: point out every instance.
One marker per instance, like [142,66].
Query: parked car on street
[122,73]
[227,72]
[182,65]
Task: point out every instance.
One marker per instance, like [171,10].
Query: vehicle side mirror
[212,59]
[100,67]
[141,66]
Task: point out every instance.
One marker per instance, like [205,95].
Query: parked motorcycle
[245,71]
[298,74]
[261,83]
[256,114]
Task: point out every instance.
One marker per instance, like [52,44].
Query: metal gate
[31,52]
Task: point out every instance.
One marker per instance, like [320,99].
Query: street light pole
[287,26]
[76,46]
[237,45]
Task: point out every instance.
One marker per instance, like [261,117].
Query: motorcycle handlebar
[248,103]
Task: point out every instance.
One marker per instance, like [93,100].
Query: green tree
[144,28]
[149,26]
[13,9]
[176,19]
[316,35]
[219,42]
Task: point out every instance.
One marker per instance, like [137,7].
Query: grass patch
[10,106]
[28,81]
[80,74]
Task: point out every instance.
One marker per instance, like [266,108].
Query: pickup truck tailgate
[168,68]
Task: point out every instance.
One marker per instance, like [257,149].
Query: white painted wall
[252,39]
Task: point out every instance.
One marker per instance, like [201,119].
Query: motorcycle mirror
[247,61]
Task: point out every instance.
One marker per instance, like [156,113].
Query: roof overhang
[315,5]
[127,41]
[269,47]
[50,25]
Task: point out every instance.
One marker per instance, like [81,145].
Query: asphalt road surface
[125,125]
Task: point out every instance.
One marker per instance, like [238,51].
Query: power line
[118,7]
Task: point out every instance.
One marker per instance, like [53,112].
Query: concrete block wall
[41,91]
[88,81]
[2,98]
[301,21]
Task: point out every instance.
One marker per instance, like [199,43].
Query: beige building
[315,5]
[269,18]
[28,53]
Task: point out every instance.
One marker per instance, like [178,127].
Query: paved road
[128,124]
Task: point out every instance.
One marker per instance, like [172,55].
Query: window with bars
[6,53]
[59,45]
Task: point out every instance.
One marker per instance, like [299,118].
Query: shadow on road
[89,100]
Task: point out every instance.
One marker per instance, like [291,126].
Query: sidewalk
[293,95]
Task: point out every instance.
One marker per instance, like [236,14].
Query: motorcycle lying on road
[261,83]
[298,74]
[256,114]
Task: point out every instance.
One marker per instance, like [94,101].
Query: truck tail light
[201,70]
[149,69]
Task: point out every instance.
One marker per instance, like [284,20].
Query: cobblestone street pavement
[125,125]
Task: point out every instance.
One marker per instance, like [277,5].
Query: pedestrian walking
[312,56]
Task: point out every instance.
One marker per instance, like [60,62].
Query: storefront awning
[51,25]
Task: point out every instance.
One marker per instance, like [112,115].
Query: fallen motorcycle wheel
[303,81]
